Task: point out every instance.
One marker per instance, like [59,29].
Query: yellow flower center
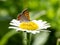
[28,25]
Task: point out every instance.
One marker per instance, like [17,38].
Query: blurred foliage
[48,10]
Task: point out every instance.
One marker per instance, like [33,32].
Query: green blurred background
[47,10]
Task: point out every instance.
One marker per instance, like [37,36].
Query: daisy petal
[13,24]
[15,21]
[45,30]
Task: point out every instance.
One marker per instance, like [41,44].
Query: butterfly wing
[24,16]
[18,17]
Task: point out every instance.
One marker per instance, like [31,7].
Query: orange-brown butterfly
[24,16]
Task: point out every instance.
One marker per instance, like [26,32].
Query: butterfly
[23,16]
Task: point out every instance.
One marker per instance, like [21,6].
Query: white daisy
[34,26]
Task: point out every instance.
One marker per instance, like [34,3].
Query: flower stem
[58,42]
[24,38]
[29,38]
